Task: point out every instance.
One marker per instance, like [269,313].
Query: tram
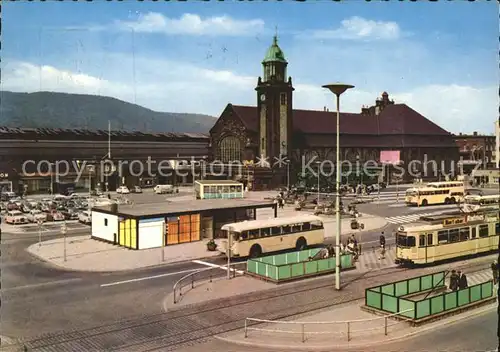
[432,239]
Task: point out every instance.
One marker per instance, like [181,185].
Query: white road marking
[216,266]
[148,278]
[50,283]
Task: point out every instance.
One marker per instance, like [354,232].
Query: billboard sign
[390,157]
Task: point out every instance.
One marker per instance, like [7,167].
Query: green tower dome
[274,53]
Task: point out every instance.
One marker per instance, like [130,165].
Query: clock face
[263,97]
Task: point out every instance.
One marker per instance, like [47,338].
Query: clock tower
[274,105]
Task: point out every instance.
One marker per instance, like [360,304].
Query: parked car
[37,215]
[136,189]
[5,196]
[55,215]
[15,217]
[70,214]
[12,206]
[123,190]
[84,218]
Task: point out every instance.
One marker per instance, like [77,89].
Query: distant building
[476,149]
[273,129]
[43,145]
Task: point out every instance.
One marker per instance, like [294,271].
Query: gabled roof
[394,119]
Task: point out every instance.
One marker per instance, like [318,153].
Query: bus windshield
[402,240]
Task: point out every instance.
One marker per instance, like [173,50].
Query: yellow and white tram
[447,236]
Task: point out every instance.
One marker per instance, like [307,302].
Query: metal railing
[203,275]
[303,332]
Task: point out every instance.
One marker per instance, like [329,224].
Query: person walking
[454,280]
[462,281]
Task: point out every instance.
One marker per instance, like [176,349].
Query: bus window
[453,235]
[296,228]
[244,235]
[264,232]
[276,230]
[287,229]
[483,230]
[252,234]
[411,241]
[464,234]
[306,226]
[421,241]
[497,228]
[429,239]
[443,236]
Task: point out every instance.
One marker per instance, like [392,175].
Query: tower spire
[275,35]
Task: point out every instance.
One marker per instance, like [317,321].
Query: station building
[157,225]
[273,129]
[42,146]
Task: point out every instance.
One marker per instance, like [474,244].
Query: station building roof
[147,211]
[84,134]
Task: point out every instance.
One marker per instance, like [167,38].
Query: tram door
[430,250]
[475,247]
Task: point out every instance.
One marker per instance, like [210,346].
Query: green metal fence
[390,297]
[294,265]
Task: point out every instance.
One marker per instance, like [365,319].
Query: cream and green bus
[255,237]
[447,236]
[433,193]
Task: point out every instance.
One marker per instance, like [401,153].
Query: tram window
[443,236]
[411,241]
[497,228]
[421,240]
[473,232]
[483,230]
[453,235]
[429,239]
[464,234]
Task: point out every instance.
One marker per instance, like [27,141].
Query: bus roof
[477,196]
[442,183]
[256,224]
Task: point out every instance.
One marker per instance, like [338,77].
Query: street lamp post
[338,89]
[288,176]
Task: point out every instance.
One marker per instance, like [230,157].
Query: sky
[439,58]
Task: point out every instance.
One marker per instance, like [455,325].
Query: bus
[255,237]
[480,202]
[435,193]
[447,236]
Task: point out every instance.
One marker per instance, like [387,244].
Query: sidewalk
[333,336]
[85,254]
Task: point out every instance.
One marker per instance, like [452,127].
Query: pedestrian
[462,282]
[382,239]
[454,281]
[494,271]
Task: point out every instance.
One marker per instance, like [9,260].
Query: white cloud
[180,87]
[192,24]
[358,28]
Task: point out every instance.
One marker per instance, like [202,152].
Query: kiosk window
[483,230]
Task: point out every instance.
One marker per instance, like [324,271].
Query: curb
[59,267]
[345,346]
